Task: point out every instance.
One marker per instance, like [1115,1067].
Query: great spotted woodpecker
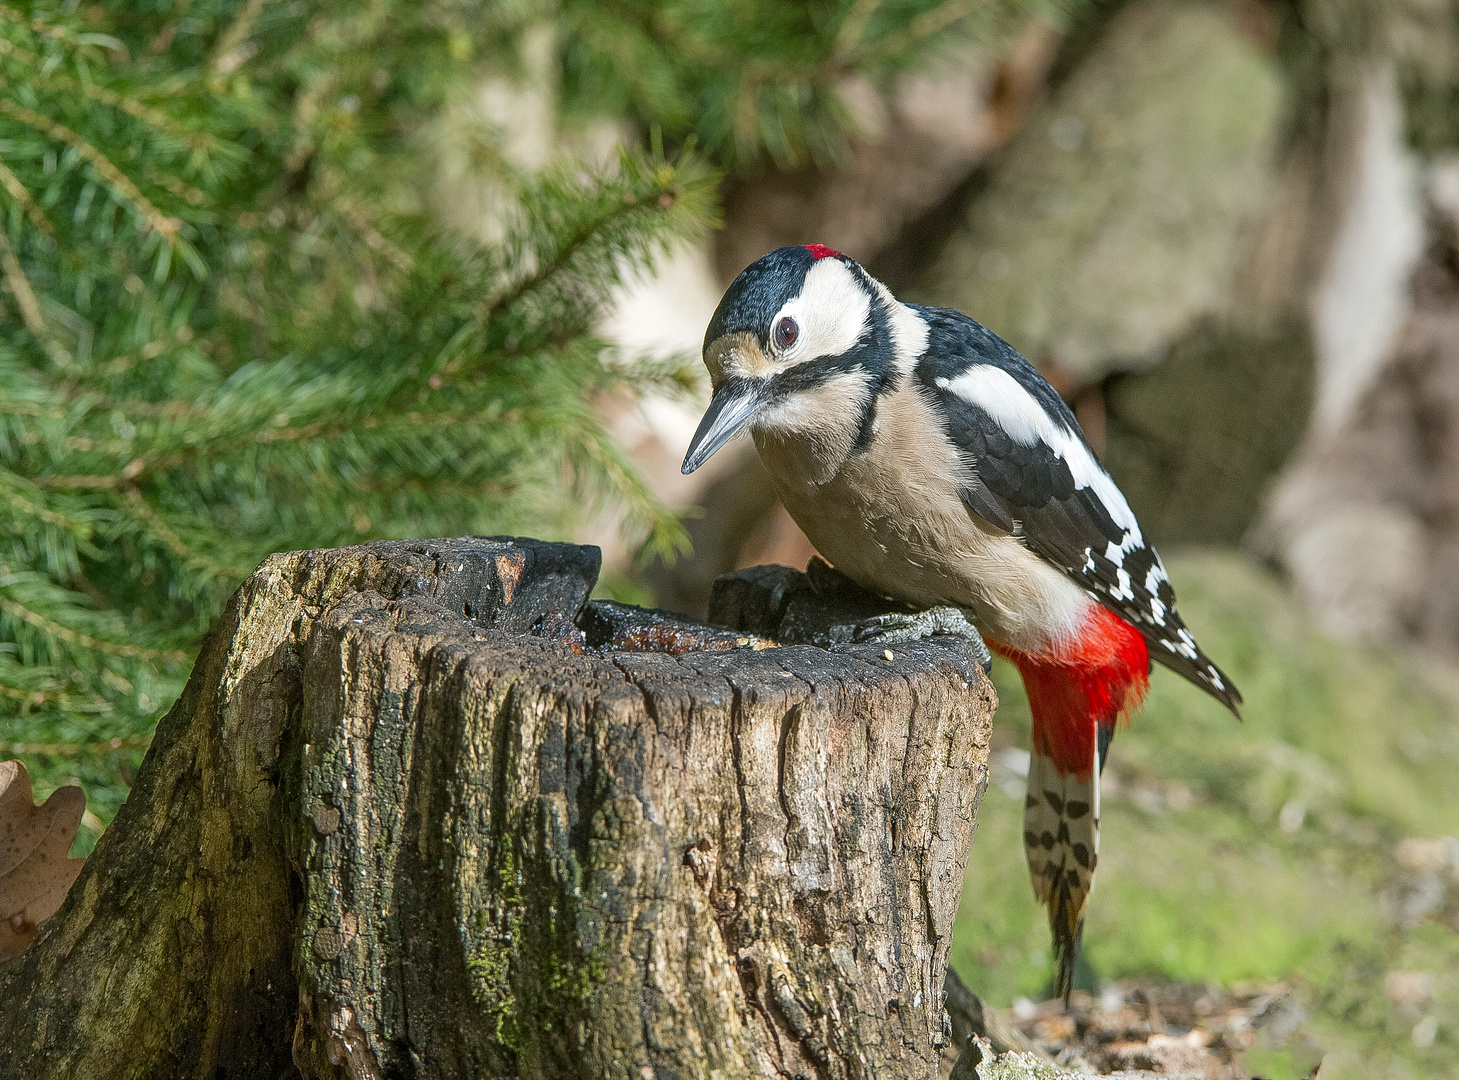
[930,463]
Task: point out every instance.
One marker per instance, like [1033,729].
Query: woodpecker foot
[897,629]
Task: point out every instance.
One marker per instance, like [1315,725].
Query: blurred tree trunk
[409,820]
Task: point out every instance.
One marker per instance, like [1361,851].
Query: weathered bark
[409,820]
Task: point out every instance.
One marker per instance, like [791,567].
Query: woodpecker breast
[891,518]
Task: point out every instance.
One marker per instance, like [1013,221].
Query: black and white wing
[1034,475]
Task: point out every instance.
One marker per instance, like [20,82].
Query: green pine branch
[764,79]
[230,325]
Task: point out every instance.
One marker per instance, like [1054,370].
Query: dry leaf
[35,874]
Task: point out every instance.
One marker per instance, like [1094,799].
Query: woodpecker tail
[1061,841]
[1076,696]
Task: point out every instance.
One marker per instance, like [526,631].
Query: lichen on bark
[408,819]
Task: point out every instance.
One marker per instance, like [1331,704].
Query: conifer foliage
[758,78]
[230,323]
[229,329]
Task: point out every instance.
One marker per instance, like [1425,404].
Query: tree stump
[423,811]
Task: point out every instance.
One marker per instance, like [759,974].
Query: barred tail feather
[1061,842]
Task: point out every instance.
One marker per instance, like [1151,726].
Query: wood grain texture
[409,820]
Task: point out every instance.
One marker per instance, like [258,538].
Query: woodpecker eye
[786,332]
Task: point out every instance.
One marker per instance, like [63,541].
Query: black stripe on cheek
[807,376]
[868,416]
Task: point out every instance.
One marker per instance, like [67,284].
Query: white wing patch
[999,395]
[1016,411]
[1036,477]
[1061,843]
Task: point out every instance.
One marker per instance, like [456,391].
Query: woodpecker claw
[896,629]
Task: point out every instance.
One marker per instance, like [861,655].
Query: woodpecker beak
[730,410]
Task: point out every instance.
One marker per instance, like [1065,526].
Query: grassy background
[1255,851]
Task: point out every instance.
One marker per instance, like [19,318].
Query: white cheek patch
[832,311]
[1014,409]
[909,336]
[909,330]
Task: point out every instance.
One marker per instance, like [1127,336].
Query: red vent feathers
[1094,682]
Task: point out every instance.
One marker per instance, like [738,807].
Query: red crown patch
[821,251]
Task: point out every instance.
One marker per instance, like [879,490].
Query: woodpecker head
[800,345]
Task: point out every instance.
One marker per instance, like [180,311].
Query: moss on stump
[420,812]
